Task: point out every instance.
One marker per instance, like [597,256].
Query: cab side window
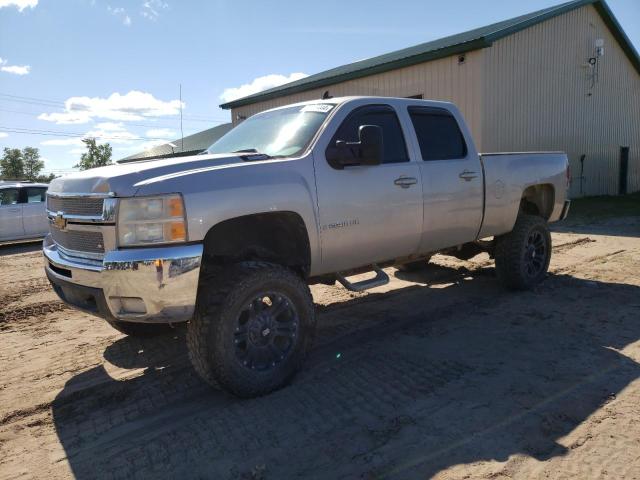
[438,133]
[395,149]
[8,196]
[35,195]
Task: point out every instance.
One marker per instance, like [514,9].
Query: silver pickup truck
[313,192]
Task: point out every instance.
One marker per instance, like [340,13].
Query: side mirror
[367,151]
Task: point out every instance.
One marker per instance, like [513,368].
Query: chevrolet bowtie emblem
[59,221]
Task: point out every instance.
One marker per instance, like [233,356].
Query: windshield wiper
[253,155]
[246,150]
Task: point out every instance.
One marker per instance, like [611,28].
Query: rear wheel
[252,328]
[523,255]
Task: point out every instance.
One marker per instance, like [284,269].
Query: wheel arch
[538,200]
[278,237]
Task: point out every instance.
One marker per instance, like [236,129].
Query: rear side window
[438,134]
[395,149]
[35,195]
[8,196]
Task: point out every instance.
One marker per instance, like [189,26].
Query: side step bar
[381,278]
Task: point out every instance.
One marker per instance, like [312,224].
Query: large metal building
[564,78]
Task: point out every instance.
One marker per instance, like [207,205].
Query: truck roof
[373,98]
[18,184]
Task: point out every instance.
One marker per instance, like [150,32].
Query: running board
[381,278]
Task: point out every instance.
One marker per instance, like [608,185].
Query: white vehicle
[302,194]
[22,210]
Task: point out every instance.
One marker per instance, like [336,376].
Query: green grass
[594,208]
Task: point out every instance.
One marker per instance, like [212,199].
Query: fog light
[133,305]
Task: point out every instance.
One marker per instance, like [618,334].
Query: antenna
[181,131]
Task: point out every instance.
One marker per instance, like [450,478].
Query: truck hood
[122,179]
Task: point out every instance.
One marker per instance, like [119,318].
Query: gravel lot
[438,374]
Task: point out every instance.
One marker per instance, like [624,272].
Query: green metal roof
[455,44]
[190,145]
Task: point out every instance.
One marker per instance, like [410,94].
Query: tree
[12,164]
[46,178]
[96,155]
[32,163]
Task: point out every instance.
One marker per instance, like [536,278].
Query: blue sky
[118,64]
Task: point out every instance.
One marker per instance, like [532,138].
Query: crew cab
[229,240]
[22,212]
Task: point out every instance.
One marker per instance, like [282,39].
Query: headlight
[151,220]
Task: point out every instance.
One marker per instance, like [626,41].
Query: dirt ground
[439,374]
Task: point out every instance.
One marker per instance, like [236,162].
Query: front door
[10,215]
[373,213]
[452,180]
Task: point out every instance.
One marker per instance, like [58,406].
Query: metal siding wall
[441,79]
[537,98]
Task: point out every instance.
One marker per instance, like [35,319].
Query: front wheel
[252,328]
[523,255]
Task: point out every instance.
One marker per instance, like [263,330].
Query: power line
[19,98]
[59,104]
[133,124]
[53,133]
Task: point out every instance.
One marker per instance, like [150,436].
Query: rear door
[368,213]
[452,179]
[34,216]
[10,214]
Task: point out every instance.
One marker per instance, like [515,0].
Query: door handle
[467,175]
[405,182]
[14,210]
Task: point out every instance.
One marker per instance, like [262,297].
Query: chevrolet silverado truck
[315,192]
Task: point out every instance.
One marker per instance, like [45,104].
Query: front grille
[85,206]
[78,240]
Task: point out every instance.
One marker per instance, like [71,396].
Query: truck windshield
[285,132]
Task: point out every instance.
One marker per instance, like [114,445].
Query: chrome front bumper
[149,285]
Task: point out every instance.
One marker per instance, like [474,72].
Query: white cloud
[161,133]
[121,13]
[59,142]
[19,4]
[134,105]
[15,69]
[258,85]
[151,9]
[3,135]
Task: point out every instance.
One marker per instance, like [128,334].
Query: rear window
[8,196]
[438,133]
[35,195]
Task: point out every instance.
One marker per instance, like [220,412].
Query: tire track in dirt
[23,288]
[573,244]
[20,314]
[576,266]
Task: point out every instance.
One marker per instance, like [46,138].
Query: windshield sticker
[317,107]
